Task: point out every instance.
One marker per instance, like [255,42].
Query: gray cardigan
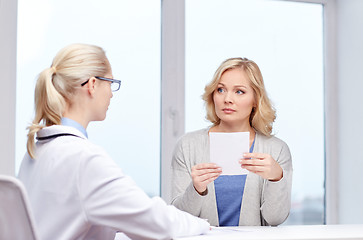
[264,202]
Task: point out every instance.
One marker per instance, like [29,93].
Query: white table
[297,232]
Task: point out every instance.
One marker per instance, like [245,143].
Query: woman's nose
[228,98]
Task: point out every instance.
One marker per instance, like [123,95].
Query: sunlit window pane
[129,31]
[286,40]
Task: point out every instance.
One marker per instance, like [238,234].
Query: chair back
[16,220]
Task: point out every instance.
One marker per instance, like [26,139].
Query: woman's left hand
[263,165]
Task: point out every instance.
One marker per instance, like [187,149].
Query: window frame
[8,28]
[172,103]
[172,91]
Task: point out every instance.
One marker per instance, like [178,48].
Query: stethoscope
[55,136]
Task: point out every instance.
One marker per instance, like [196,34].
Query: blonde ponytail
[49,106]
[56,85]
[33,129]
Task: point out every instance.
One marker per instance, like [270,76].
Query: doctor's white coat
[77,191]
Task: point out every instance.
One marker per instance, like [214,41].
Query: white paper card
[226,149]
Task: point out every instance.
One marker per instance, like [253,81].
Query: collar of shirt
[253,144]
[71,123]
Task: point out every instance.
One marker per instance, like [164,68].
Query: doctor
[76,190]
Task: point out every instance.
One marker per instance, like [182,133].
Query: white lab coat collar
[56,130]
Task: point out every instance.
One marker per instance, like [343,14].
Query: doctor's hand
[263,165]
[203,174]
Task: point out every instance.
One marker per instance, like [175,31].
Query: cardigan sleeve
[276,196]
[184,196]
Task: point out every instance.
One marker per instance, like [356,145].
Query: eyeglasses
[115,84]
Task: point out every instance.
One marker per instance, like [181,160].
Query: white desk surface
[294,232]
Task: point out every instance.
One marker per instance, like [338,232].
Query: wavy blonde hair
[58,84]
[263,115]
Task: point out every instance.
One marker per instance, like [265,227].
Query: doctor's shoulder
[95,160]
[85,151]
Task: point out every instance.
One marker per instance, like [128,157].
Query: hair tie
[54,69]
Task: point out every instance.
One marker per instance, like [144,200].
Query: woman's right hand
[203,174]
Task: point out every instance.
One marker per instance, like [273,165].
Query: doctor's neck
[77,114]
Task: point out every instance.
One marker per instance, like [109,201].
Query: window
[286,40]
[130,35]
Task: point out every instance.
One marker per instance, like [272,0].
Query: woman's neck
[224,127]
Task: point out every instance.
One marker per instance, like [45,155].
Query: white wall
[8,16]
[350,94]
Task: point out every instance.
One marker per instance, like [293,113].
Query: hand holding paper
[203,174]
[263,165]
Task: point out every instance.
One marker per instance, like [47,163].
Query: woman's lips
[228,110]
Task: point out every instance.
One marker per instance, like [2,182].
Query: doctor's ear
[91,86]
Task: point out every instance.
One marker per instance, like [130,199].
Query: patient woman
[236,101]
[76,190]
